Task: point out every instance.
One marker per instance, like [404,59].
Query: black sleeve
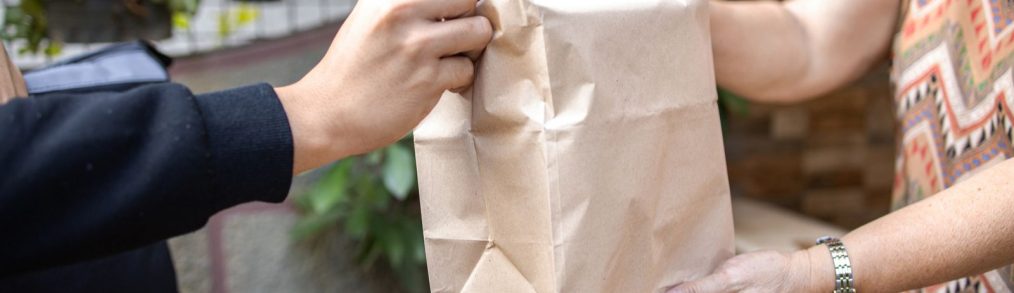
[87,175]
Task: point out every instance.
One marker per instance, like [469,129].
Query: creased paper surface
[586,158]
[12,84]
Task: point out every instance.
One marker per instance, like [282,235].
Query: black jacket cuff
[250,144]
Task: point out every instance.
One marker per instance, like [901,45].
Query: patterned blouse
[952,62]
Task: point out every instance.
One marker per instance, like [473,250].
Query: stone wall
[831,158]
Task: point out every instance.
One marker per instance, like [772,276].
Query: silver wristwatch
[843,280]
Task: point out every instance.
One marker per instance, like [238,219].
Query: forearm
[964,230]
[88,175]
[789,51]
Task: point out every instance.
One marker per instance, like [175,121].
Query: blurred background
[796,172]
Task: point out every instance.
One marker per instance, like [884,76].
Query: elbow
[802,87]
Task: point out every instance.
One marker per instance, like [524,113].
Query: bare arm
[790,51]
[964,230]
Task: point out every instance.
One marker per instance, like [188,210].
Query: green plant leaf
[370,253]
[358,222]
[36,10]
[358,192]
[399,171]
[224,24]
[394,246]
[733,102]
[332,189]
[372,192]
[374,157]
[53,48]
[312,224]
[246,14]
[181,20]
[414,233]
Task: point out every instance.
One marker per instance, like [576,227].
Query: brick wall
[831,158]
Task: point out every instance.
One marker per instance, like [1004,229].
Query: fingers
[460,35]
[715,283]
[445,9]
[455,72]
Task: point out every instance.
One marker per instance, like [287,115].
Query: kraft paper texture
[12,84]
[587,157]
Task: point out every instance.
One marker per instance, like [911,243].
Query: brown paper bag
[12,84]
[587,157]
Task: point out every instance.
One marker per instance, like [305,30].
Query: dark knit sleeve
[88,175]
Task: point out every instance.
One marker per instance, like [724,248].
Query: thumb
[714,283]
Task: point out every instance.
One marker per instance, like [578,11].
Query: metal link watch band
[843,280]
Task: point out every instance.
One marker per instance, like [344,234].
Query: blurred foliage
[182,11]
[373,199]
[27,21]
[235,17]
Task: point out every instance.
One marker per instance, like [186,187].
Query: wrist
[820,269]
[313,142]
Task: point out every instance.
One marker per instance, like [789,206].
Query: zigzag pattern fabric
[954,89]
